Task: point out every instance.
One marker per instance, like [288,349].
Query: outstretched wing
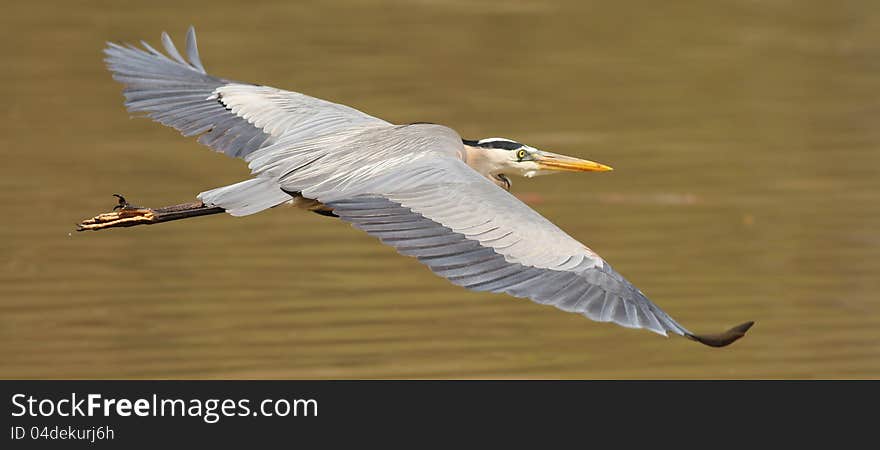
[230,117]
[476,235]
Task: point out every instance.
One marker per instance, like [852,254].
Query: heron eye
[521,154]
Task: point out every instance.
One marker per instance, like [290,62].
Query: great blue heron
[420,188]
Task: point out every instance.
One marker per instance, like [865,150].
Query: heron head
[497,158]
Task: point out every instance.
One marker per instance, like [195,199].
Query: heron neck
[486,163]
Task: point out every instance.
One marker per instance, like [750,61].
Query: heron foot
[122,215]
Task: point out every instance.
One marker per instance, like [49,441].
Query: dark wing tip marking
[722,339]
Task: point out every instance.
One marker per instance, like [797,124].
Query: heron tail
[247,197]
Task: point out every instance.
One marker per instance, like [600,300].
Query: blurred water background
[743,135]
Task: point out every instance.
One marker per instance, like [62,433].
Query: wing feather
[454,230]
[230,117]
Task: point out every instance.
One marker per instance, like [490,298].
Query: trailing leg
[126,215]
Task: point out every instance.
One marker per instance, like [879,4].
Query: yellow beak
[562,163]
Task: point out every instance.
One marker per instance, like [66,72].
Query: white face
[513,159]
[519,162]
[499,156]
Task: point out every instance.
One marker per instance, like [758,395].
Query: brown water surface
[744,137]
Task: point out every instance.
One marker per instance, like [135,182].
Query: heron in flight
[420,187]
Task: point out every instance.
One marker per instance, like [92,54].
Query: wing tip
[120,51]
[192,50]
[722,339]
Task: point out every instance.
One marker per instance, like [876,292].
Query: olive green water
[745,137]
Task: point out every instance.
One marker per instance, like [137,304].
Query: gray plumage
[407,185]
[230,117]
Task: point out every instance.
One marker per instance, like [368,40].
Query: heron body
[419,187]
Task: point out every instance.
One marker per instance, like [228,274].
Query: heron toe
[122,203]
